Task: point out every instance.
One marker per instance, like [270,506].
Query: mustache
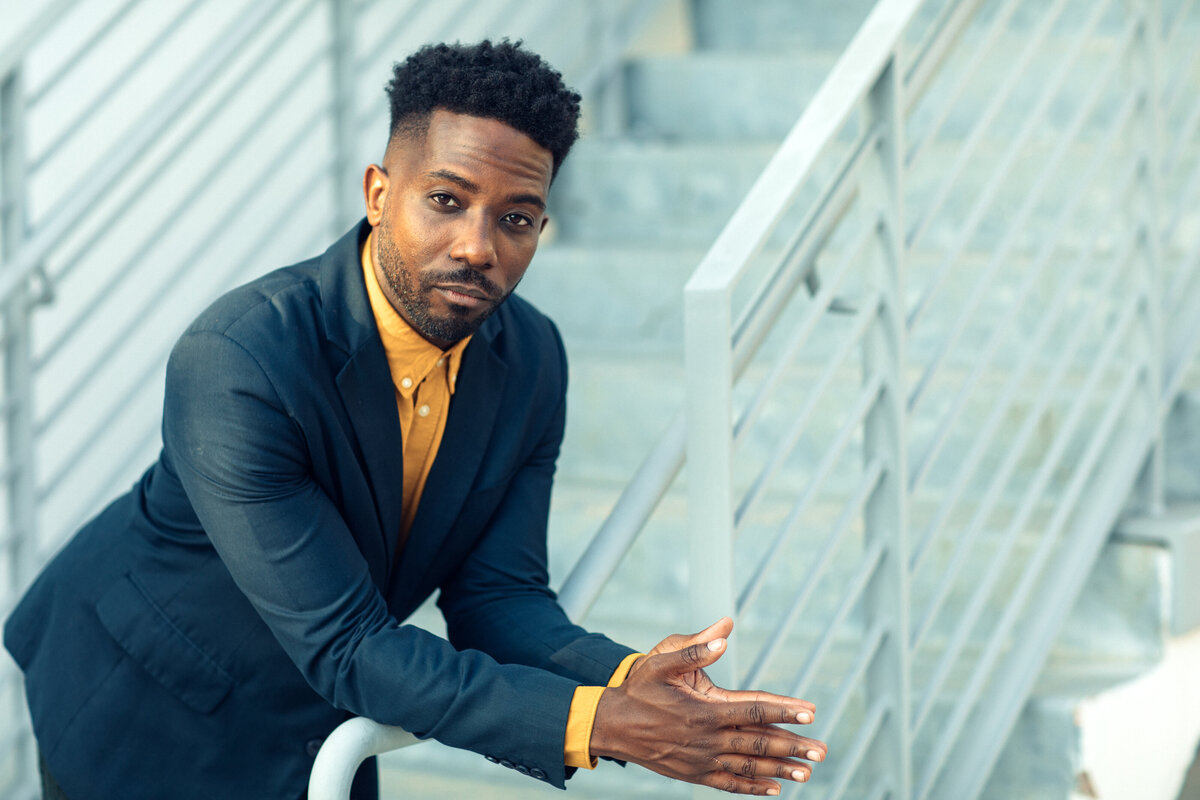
[466,277]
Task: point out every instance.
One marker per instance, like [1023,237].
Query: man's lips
[469,296]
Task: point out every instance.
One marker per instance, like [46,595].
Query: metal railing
[1022,308]
[928,363]
[151,156]
[928,358]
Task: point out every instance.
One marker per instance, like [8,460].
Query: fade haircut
[495,81]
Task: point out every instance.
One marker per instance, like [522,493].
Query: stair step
[762,93]
[778,25]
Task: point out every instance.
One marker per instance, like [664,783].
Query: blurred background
[882,318]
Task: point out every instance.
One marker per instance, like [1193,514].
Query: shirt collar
[411,357]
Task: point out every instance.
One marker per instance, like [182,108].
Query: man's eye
[443,199]
[518,220]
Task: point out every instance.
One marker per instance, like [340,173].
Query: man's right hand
[668,717]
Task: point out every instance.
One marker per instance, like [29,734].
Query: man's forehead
[452,136]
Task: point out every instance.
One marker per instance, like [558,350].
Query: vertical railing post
[20,523]
[885,436]
[708,361]
[345,176]
[1144,78]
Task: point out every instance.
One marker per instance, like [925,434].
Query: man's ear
[375,189]
[545,220]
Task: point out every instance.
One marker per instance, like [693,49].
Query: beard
[414,293]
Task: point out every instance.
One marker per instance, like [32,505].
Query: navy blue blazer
[204,633]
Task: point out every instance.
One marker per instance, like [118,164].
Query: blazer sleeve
[499,600]
[241,457]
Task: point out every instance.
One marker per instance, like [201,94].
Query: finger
[764,711]
[736,784]
[773,742]
[677,641]
[694,656]
[754,767]
[794,704]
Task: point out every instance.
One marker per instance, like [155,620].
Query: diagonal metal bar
[101,98]
[1014,447]
[933,50]
[1171,38]
[246,134]
[962,79]
[23,42]
[814,572]
[988,194]
[858,750]
[621,527]
[80,54]
[872,557]
[1027,582]
[144,131]
[1188,197]
[1183,140]
[772,296]
[1001,406]
[800,422]
[868,396]
[984,122]
[981,590]
[305,192]
[813,314]
[831,716]
[122,337]
[840,94]
[1006,326]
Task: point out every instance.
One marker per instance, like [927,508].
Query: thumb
[698,656]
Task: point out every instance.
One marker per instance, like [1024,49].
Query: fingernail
[813,755]
[804,717]
[799,775]
[772,791]
[716,644]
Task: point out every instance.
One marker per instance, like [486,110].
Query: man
[342,438]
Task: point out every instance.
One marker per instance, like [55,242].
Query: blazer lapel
[366,387]
[472,417]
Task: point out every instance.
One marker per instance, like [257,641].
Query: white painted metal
[350,744]
[1106,392]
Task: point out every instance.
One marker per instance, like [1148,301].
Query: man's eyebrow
[528,199]
[454,177]
[471,186]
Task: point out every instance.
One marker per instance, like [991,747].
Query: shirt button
[406,383]
[441,361]
[423,411]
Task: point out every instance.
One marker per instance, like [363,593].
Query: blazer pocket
[149,637]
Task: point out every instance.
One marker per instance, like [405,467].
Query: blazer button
[504,762]
[492,759]
[521,768]
[313,746]
[537,773]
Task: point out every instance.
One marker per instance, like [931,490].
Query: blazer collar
[369,395]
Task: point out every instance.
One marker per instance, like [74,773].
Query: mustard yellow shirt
[424,376]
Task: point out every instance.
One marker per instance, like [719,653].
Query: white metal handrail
[864,124]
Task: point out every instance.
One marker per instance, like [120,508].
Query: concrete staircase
[633,214]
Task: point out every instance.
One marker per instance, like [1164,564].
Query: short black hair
[495,81]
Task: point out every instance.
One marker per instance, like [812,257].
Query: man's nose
[475,244]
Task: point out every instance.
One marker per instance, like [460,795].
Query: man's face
[457,218]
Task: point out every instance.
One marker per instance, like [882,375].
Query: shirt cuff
[581,717]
